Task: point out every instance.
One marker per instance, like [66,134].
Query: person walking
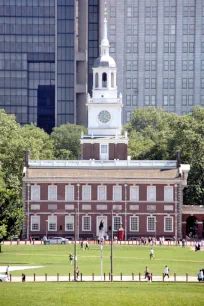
[8,272]
[146,272]
[151,255]
[71,258]
[86,245]
[166,271]
[77,272]
[200,275]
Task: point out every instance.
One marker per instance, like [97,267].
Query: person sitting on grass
[151,255]
[200,276]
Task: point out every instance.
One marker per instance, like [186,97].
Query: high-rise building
[158,46]
[44,59]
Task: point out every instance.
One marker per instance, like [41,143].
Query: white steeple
[105,42]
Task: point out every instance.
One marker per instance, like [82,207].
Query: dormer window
[96,80]
[104,79]
[112,80]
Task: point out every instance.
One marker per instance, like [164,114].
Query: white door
[104,152]
[98,221]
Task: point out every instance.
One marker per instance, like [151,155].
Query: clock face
[104,116]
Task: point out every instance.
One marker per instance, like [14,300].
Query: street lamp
[125,211]
[155,222]
[78,185]
[28,211]
[46,224]
[75,248]
[111,256]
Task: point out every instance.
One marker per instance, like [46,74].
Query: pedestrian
[183,243]
[71,258]
[151,255]
[77,272]
[31,239]
[146,272]
[7,272]
[86,245]
[82,245]
[200,275]
[23,277]
[166,271]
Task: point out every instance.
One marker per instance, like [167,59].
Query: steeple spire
[105,42]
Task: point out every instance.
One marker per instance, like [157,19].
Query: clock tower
[104,110]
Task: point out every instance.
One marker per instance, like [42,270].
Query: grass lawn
[100,294]
[126,259]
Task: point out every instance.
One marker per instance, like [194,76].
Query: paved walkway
[98,278]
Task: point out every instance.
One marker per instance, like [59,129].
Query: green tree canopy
[66,140]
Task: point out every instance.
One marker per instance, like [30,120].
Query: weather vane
[105,10]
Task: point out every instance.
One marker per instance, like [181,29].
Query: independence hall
[146,197]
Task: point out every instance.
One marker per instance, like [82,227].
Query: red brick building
[146,197]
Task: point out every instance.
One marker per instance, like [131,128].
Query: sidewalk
[98,279]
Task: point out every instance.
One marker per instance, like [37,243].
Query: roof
[104,61]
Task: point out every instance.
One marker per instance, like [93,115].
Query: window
[192,11]
[135,11]
[134,100]
[166,11]
[153,100]
[166,65]
[168,193]
[135,30]
[128,83]
[86,223]
[184,83]
[151,193]
[202,83]
[172,100]
[112,29]
[191,29]
[134,193]
[172,83]
[52,223]
[172,47]
[128,116]
[190,83]
[173,11]
[102,193]
[184,100]
[166,47]
[151,222]
[129,11]
[190,100]
[135,47]
[191,66]
[128,48]
[185,29]
[172,29]
[128,100]
[147,83]
[86,193]
[191,47]
[165,100]
[154,47]
[202,100]
[147,65]
[147,47]
[153,83]
[134,83]
[184,65]
[117,193]
[153,66]
[148,11]
[147,29]
[112,80]
[168,224]
[117,221]
[112,47]
[69,193]
[185,47]
[35,193]
[202,65]
[134,65]
[172,65]
[128,65]
[104,79]
[202,47]
[166,83]
[185,11]
[52,192]
[168,207]
[52,206]
[96,80]
[35,223]
[154,11]
[134,224]
[147,100]
[112,11]
[69,223]
[166,29]
[129,30]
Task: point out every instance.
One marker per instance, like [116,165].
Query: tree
[66,140]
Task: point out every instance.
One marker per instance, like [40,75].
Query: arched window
[112,80]
[104,79]
[96,80]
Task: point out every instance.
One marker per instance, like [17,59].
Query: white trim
[83,193]
[34,189]
[151,196]
[138,226]
[71,188]
[65,223]
[83,230]
[169,217]
[98,193]
[137,193]
[105,154]
[151,231]
[167,190]
[119,187]
[54,217]
[50,196]
[31,223]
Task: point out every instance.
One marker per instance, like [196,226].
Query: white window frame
[32,222]
[117,197]
[102,196]
[35,193]
[151,217]
[69,193]
[132,218]
[134,198]
[172,220]
[69,220]
[113,223]
[84,195]
[50,222]
[149,196]
[50,196]
[167,197]
[83,223]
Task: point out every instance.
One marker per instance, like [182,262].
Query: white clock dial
[104,116]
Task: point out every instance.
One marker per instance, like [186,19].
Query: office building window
[153,65]
[153,83]
[52,192]
[190,100]
[191,65]
[168,193]
[185,11]
[166,29]
[166,47]
[172,65]
[102,193]
[134,83]
[128,100]
[172,29]
[202,83]
[173,11]
[128,65]
[128,83]
[112,11]
[165,83]
[86,223]
[165,102]
[135,11]
[86,193]
[147,83]
[184,100]
[134,193]
[172,100]
[134,100]
[128,116]
[192,11]
[35,223]
[154,11]
[69,193]
[172,47]
[151,193]
[117,193]
[202,65]
[147,65]
[69,223]
[147,29]
[153,100]
[52,223]
[185,47]
[166,65]
[147,100]
[191,29]
[191,47]
[135,47]
[112,47]
[117,221]
[128,48]
[185,29]
[154,47]
[184,65]
[190,83]
[35,193]
[134,65]
[129,30]
[202,100]
[112,29]
[184,83]
[134,224]
[135,29]
[168,224]
[147,47]
[202,47]
[148,11]
[172,83]
[153,29]
[129,11]
[166,11]
[151,223]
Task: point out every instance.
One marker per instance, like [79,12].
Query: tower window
[104,79]
[96,80]
[112,80]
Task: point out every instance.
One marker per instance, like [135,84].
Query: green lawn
[100,294]
[126,259]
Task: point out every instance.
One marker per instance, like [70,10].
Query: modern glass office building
[43,59]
